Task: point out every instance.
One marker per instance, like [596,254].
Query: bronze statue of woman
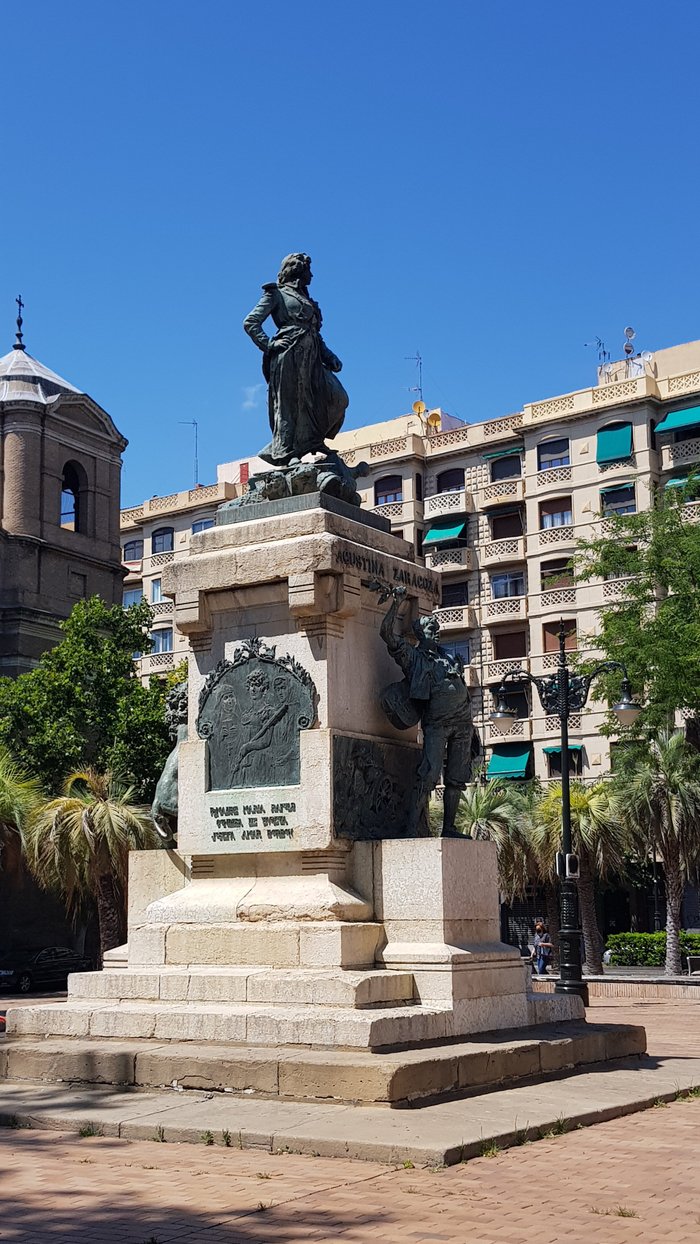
[306,401]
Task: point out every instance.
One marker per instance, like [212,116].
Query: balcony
[400,511]
[556,536]
[507,491]
[504,609]
[163,608]
[556,598]
[673,456]
[456,618]
[520,730]
[156,560]
[449,559]
[157,663]
[499,552]
[444,504]
[552,477]
[494,670]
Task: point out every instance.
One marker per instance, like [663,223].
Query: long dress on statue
[306,401]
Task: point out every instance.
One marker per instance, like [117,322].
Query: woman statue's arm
[328,358]
[253,323]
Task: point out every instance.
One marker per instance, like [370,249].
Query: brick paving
[634,1178]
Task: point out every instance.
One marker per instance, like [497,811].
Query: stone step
[473,1067]
[254,1023]
[332,987]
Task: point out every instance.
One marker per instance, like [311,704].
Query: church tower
[60,465]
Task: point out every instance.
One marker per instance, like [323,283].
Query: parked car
[40,969]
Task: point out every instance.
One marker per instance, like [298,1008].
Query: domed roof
[23,378]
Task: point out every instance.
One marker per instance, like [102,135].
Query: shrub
[648,950]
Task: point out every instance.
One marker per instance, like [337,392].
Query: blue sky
[493,184]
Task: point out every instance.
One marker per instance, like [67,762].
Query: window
[162,640]
[454,594]
[459,648]
[553,454]
[555,513]
[618,500]
[506,468]
[397,531]
[388,489]
[202,524]
[132,596]
[156,594]
[419,486]
[550,636]
[516,697]
[133,551]
[162,540]
[506,523]
[511,583]
[509,645]
[614,443]
[554,764]
[450,481]
[73,497]
[419,541]
[558,573]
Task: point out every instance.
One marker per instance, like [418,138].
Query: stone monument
[300,909]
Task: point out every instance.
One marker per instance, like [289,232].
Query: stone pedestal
[293,911]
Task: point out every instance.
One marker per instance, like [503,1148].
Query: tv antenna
[417,388]
[192,423]
[603,354]
[629,338]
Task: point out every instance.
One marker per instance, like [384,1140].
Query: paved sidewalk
[634,1178]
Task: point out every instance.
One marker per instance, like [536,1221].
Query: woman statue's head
[295,267]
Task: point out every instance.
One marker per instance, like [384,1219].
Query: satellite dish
[630,334]
[629,348]
[434,419]
[647,356]
[418,408]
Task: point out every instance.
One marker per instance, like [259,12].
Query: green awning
[687,418]
[504,453]
[554,751]
[443,531]
[624,483]
[614,444]
[509,760]
[680,481]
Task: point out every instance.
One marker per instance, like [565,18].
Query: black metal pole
[570,975]
[657,911]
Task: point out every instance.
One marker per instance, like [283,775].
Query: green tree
[78,845]
[19,797]
[84,706]
[659,798]
[494,812]
[600,839]
[654,626]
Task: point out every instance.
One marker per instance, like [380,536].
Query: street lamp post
[563,693]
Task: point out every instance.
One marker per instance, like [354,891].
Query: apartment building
[497,508]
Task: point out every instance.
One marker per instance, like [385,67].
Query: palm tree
[600,839]
[493,811]
[79,844]
[660,801]
[19,796]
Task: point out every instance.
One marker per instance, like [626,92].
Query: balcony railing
[156,663]
[443,504]
[521,729]
[556,535]
[556,597]
[505,609]
[494,670]
[456,618]
[506,490]
[680,454]
[552,475]
[449,559]
[163,608]
[512,549]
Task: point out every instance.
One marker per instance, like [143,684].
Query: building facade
[60,466]
[497,509]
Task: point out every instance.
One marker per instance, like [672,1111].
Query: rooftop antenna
[19,344]
[629,338]
[192,423]
[417,388]
[603,354]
